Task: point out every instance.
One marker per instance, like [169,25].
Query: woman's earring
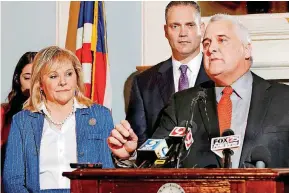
[41,93]
[75,92]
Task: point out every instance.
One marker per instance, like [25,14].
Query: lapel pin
[92,121]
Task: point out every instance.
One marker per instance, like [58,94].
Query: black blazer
[267,125]
[150,92]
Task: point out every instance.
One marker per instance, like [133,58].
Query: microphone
[168,160]
[178,133]
[225,146]
[186,142]
[180,136]
[228,152]
[150,150]
[260,157]
[187,139]
[202,94]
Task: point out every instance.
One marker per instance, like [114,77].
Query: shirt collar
[76,105]
[193,65]
[241,86]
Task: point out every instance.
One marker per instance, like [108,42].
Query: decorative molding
[277,65]
[265,26]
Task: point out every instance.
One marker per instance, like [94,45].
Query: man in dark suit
[152,89]
[236,98]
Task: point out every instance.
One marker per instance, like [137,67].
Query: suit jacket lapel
[81,119]
[165,80]
[202,75]
[260,101]
[37,123]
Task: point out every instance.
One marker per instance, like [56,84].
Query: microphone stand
[179,152]
[227,152]
[227,158]
[167,161]
[180,147]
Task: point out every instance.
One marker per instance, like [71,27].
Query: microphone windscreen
[202,94]
[228,132]
[261,153]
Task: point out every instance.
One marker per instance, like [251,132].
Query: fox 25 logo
[225,142]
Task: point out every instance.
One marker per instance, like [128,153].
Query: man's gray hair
[241,30]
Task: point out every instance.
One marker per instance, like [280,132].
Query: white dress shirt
[192,72]
[57,151]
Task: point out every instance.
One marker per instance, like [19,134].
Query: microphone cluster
[169,152]
[157,153]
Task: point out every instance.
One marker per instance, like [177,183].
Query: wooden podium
[179,180]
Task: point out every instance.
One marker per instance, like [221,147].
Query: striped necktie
[183,81]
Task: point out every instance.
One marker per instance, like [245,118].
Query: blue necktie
[183,81]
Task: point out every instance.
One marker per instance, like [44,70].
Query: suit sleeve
[168,120]
[14,171]
[136,115]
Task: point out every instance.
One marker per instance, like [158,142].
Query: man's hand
[122,140]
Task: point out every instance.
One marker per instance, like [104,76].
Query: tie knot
[228,90]
[183,69]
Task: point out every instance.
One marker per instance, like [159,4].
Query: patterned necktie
[183,81]
[225,110]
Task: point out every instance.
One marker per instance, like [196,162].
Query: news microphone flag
[156,147]
[180,132]
[218,144]
[91,50]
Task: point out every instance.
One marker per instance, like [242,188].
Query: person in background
[152,88]
[58,126]
[236,99]
[16,98]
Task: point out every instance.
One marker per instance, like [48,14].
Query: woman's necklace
[62,122]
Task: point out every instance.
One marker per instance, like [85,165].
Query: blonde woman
[58,126]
